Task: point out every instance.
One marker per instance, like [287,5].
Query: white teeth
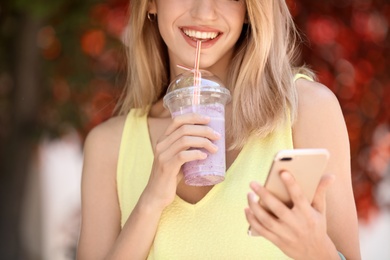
[200,35]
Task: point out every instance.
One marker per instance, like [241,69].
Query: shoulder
[103,141]
[107,132]
[314,95]
[318,113]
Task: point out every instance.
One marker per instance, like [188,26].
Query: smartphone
[307,167]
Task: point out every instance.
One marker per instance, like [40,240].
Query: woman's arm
[329,224]
[101,235]
[320,124]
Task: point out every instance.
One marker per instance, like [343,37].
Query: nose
[204,10]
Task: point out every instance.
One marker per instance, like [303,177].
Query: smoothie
[212,169]
[207,97]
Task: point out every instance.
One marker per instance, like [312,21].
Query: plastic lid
[183,86]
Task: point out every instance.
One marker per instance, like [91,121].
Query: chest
[185,226]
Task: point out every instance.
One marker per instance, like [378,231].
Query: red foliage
[93,42]
[349,49]
[49,43]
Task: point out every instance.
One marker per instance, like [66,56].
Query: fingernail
[285,175]
[255,186]
[249,231]
[253,197]
[217,134]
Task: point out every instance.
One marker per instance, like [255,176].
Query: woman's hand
[173,150]
[300,232]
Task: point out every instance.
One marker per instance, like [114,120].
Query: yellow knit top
[215,227]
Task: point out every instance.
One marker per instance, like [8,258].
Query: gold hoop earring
[152,17]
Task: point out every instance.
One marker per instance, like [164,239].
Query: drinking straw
[197,74]
[184,67]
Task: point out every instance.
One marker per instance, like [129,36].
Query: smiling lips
[200,35]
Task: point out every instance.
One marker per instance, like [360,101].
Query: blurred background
[62,68]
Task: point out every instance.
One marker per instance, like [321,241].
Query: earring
[152,17]
[246,20]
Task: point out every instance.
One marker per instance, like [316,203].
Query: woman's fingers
[289,228]
[190,129]
[185,142]
[269,202]
[256,228]
[184,127]
[186,139]
[259,225]
[187,131]
[186,156]
[185,149]
[319,200]
[267,211]
[260,213]
[190,118]
[297,196]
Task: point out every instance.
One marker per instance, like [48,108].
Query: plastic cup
[208,98]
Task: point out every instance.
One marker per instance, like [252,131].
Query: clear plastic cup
[208,98]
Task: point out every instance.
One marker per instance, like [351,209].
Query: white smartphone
[307,167]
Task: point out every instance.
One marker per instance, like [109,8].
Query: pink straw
[197,74]
[197,60]
[183,67]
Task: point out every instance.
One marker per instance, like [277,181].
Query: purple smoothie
[211,170]
[207,96]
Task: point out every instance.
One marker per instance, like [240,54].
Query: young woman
[135,204]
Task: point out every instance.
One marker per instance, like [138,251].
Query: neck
[158,110]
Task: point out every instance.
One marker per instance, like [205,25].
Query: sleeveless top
[215,227]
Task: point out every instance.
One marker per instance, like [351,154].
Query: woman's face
[217,23]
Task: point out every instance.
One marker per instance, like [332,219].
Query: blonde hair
[261,73]
[147,61]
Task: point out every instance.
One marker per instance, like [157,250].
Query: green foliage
[40,9]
